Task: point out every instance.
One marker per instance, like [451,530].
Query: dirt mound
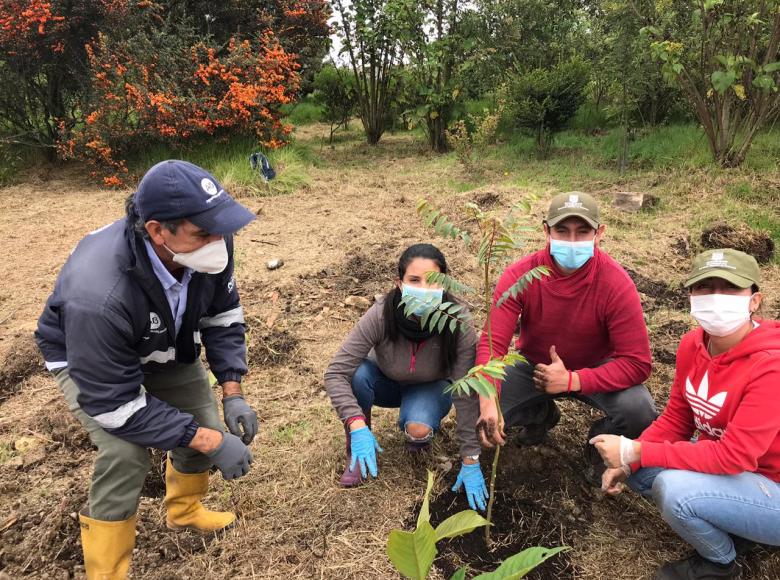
[536,504]
[270,347]
[756,243]
[362,273]
[487,200]
[665,339]
[657,294]
[154,484]
[45,539]
[59,425]
[682,247]
[23,359]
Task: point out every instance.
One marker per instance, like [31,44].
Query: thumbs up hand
[554,378]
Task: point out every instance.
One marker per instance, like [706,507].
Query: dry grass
[339,236]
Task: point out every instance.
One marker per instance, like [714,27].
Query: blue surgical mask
[571,255]
[431,297]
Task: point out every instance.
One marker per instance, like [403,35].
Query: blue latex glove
[363,448]
[476,492]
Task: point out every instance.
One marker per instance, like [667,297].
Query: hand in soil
[553,378]
[364,447]
[490,426]
[612,480]
[471,478]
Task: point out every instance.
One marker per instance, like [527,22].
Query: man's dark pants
[628,411]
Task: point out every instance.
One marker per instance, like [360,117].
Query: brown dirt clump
[22,360]
[270,347]
[536,499]
[756,243]
[59,425]
[656,294]
[665,339]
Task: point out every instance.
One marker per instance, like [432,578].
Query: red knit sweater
[592,315]
[733,400]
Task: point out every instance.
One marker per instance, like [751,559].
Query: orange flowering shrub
[150,91]
[42,43]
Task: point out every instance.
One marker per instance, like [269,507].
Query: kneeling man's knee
[418,432]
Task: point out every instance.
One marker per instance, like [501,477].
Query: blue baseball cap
[175,189]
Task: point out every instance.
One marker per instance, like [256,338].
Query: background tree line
[98,79]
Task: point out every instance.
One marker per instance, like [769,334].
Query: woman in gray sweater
[388,360]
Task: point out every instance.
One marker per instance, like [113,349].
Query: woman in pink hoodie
[723,484]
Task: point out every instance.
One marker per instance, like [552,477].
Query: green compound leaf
[522,283]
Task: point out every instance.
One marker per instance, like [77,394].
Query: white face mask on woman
[210,259]
[720,314]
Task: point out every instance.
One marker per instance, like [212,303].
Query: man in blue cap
[122,333]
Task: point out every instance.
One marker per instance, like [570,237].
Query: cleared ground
[340,235]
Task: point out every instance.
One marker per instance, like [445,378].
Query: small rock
[628,200]
[357,302]
[25,444]
[74,515]
[274,264]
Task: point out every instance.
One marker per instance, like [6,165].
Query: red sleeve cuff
[587,384]
[653,454]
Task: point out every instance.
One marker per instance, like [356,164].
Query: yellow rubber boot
[183,492]
[108,547]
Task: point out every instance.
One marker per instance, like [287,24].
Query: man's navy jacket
[109,321]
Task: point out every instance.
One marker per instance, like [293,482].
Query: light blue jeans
[705,509]
[424,403]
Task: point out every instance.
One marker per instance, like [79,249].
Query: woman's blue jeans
[425,403]
[706,510]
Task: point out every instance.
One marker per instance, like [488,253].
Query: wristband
[351,420]
[568,387]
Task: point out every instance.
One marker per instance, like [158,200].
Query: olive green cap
[574,204]
[737,267]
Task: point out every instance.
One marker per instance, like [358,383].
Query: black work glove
[237,412]
[232,457]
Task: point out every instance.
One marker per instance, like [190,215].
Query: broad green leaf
[722,80]
[435,319]
[412,553]
[460,524]
[425,515]
[772,67]
[521,564]
[459,575]
[453,325]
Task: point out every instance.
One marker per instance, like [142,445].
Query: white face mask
[720,314]
[210,259]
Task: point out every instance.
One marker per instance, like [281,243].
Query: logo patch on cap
[208,186]
[574,201]
[717,261]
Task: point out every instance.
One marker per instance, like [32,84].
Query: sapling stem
[488,326]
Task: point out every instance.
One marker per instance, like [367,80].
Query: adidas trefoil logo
[699,401]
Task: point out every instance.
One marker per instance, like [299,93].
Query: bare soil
[339,237]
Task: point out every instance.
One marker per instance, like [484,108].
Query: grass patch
[292,432]
[304,112]
[666,147]
[229,162]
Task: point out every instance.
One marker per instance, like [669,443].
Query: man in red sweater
[581,329]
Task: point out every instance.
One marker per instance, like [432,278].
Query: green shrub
[545,100]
